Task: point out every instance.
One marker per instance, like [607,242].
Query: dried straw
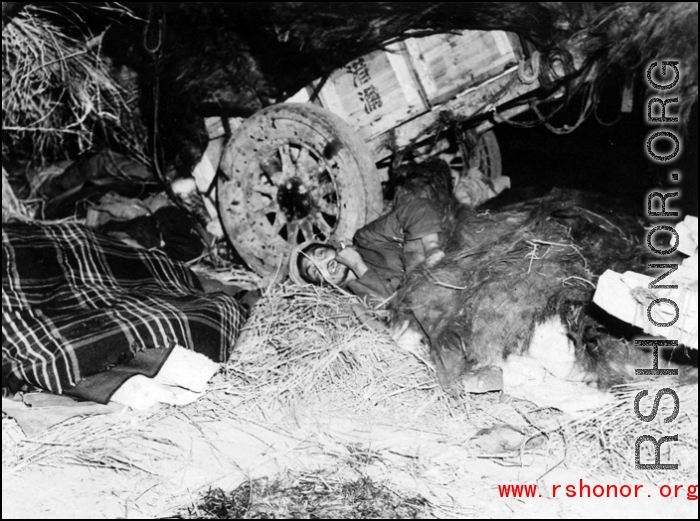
[304,361]
[304,344]
[303,355]
[116,442]
[232,275]
[58,96]
[604,443]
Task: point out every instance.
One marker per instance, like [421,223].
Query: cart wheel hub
[285,185]
[294,199]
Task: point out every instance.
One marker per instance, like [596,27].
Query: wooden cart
[304,170]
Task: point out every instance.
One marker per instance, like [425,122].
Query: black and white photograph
[349,260]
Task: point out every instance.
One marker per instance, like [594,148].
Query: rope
[156,53]
[146,32]
[534,62]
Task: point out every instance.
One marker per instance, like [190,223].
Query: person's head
[317,264]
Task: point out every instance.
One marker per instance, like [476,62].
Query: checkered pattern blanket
[77,304]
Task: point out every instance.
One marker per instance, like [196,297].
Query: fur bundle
[507,270]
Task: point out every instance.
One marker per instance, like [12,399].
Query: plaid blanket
[78,306]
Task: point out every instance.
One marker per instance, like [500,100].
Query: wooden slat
[477,100]
[373,94]
[417,79]
[449,63]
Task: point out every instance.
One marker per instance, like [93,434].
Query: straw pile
[212,266]
[304,357]
[305,363]
[58,96]
[604,443]
[303,344]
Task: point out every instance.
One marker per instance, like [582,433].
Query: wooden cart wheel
[292,173]
[485,155]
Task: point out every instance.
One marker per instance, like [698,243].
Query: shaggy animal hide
[506,270]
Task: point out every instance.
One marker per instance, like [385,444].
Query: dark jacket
[382,245]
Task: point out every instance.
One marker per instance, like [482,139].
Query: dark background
[611,159]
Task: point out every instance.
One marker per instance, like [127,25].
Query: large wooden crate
[447,64]
[374,93]
[381,90]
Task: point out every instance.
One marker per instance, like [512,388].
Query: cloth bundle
[82,312]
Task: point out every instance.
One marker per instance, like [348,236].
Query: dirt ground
[225,453]
[358,408]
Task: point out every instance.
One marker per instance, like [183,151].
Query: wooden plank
[449,63]
[373,93]
[475,101]
[405,77]
[506,114]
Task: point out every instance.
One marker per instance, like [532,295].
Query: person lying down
[382,252]
[372,268]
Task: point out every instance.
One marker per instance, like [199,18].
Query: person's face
[320,265]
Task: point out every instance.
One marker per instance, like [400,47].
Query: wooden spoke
[275,228]
[324,190]
[271,207]
[303,157]
[317,171]
[307,229]
[326,207]
[288,167]
[280,222]
[271,167]
[322,225]
[292,232]
[266,189]
[278,152]
[302,165]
